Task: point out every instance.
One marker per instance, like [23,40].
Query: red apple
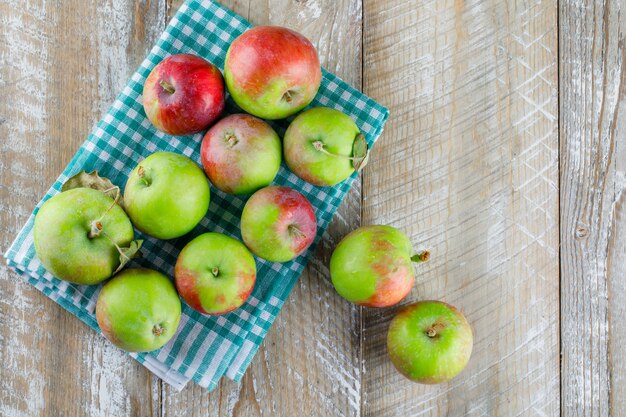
[241,154]
[272,72]
[184,94]
[278,224]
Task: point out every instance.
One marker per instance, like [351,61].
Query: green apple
[321,146]
[167,194]
[78,235]
[278,223]
[138,310]
[429,342]
[215,273]
[372,266]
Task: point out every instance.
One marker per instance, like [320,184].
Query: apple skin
[372,266]
[215,273]
[272,72]
[241,154]
[336,130]
[184,94]
[61,235]
[138,310]
[429,342]
[278,223]
[166,195]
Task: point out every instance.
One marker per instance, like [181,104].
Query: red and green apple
[429,342]
[278,223]
[373,267]
[321,146]
[215,273]
[241,154]
[272,72]
[184,94]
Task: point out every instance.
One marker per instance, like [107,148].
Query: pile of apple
[85,233]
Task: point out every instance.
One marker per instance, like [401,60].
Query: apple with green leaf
[324,146]
[166,195]
[272,72]
[82,235]
[215,273]
[373,266]
[138,310]
[429,342]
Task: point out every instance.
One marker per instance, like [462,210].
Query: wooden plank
[309,363]
[593,218]
[62,65]
[468,167]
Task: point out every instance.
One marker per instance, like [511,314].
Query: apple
[278,223]
[321,146]
[215,273]
[241,154]
[429,342]
[184,94]
[78,235]
[138,310]
[167,194]
[272,72]
[372,266]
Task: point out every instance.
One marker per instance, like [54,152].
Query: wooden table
[505,154]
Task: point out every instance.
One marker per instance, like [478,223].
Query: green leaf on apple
[128,253]
[360,152]
[92,180]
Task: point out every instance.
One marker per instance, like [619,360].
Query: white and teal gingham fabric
[205,347]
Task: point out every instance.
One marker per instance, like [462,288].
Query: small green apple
[138,310]
[429,342]
[372,266]
[78,235]
[215,273]
[166,195]
[324,146]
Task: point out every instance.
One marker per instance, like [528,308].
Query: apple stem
[167,87]
[431,332]
[421,257]
[96,229]
[320,147]
[288,96]
[232,140]
[294,230]
[215,271]
[157,330]
[142,174]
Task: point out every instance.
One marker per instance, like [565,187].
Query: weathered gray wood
[593,221]
[468,167]
[309,363]
[61,65]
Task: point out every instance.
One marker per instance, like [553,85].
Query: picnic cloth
[205,347]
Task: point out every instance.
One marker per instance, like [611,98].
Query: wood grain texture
[468,167]
[62,64]
[309,363]
[593,219]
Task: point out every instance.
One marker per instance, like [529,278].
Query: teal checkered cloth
[205,347]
